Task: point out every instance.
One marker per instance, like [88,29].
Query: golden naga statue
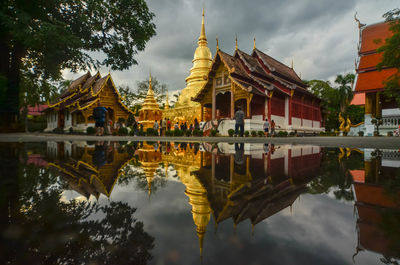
[347,128]
[342,122]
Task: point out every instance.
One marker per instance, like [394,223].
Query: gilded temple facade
[185,109]
[74,108]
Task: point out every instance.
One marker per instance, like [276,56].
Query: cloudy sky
[320,36]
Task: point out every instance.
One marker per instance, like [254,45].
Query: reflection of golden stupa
[185,162]
[149,159]
[185,109]
[150,110]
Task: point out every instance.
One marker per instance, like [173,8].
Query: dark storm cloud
[319,36]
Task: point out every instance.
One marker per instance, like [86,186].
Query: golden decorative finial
[292,64]
[254,44]
[236,44]
[202,38]
[217,43]
[358,21]
[150,85]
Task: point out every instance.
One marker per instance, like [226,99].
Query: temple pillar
[287,110]
[368,103]
[290,107]
[213,104]
[201,112]
[377,104]
[270,105]
[302,110]
[232,105]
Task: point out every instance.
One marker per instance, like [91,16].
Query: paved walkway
[352,142]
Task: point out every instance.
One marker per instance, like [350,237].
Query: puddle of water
[191,203]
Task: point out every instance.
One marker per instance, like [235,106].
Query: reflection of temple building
[89,170]
[377,205]
[185,109]
[150,110]
[149,160]
[258,184]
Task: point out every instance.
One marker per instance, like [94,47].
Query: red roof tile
[371,34]
[358,175]
[370,61]
[359,100]
[373,80]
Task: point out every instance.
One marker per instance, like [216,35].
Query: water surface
[191,203]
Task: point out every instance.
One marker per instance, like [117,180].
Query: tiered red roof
[369,78]
[257,73]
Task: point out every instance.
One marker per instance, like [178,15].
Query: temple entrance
[61,119]
[223,105]
[242,104]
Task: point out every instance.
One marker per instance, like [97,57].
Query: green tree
[391,55]
[345,83]
[45,37]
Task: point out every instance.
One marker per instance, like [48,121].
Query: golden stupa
[185,109]
[150,110]
[149,160]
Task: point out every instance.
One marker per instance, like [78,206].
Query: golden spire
[166,100]
[202,39]
[254,44]
[150,85]
[236,45]
[217,43]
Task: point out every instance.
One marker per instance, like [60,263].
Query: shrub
[114,133]
[253,133]
[246,133]
[188,132]
[294,134]
[213,132]
[282,133]
[178,132]
[260,134]
[123,131]
[360,133]
[131,132]
[389,133]
[131,120]
[121,120]
[141,133]
[169,133]
[344,133]
[151,132]
[71,130]
[231,132]
[198,133]
[90,130]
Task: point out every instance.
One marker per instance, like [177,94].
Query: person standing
[168,124]
[176,127]
[163,127]
[239,121]
[99,115]
[196,124]
[266,127]
[155,126]
[135,128]
[272,128]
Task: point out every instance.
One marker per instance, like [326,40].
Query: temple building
[185,109]
[150,110]
[149,160]
[370,81]
[264,88]
[74,108]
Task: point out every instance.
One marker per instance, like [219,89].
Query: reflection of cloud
[320,230]
[321,36]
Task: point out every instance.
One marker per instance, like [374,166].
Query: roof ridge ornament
[217,43]
[254,43]
[236,42]
[360,25]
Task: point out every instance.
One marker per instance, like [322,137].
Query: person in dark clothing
[196,124]
[99,115]
[135,127]
[239,121]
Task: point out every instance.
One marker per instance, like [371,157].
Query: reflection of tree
[334,174]
[39,226]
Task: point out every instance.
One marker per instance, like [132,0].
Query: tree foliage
[41,38]
[391,55]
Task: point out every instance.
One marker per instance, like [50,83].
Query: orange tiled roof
[373,80]
[371,34]
[359,100]
[370,61]
[358,175]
